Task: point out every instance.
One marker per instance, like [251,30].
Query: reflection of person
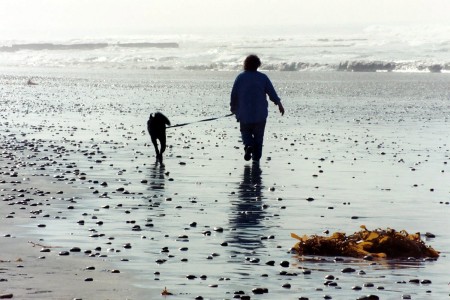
[249,104]
[247,213]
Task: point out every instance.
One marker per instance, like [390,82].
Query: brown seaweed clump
[380,243]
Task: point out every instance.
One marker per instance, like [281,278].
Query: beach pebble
[270,263]
[369,297]
[260,290]
[330,283]
[64,253]
[284,264]
[75,249]
[6,296]
[136,228]
[348,270]
[89,279]
[254,260]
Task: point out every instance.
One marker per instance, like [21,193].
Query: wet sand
[79,178]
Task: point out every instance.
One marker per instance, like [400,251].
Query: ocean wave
[383,66]
[347,66]
[181,63]
[148,45]
[83,46]
[374,52]
[361,66]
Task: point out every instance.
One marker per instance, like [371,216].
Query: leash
[205,120]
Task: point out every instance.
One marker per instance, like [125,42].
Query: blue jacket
[248,97]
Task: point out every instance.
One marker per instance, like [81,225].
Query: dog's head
[159,117]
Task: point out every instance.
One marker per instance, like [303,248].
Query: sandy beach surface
[87,213]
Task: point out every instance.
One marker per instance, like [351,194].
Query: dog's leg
[162,140]
[155,144]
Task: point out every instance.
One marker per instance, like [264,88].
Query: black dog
[156,126]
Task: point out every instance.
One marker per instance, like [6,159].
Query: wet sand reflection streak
[246,210]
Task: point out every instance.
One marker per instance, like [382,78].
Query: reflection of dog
[156,126]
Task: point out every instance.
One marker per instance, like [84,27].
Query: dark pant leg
[258,139]
[253,135]
[247,134]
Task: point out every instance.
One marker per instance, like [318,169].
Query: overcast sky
[79,18]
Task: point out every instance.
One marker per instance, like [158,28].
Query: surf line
[204,120]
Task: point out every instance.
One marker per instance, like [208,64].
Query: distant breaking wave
[377,50]
[347,66]
[363,66]
[82,46]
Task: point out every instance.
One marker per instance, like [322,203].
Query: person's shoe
[248,152]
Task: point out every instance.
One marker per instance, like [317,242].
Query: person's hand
[281,108]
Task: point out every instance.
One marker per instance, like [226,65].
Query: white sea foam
[377,48]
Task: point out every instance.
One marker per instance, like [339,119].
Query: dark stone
[284,264]
[260,290]
[348,270]
[369,297]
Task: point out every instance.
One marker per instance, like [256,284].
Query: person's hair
[252,63]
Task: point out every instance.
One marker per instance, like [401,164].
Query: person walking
[250,106]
